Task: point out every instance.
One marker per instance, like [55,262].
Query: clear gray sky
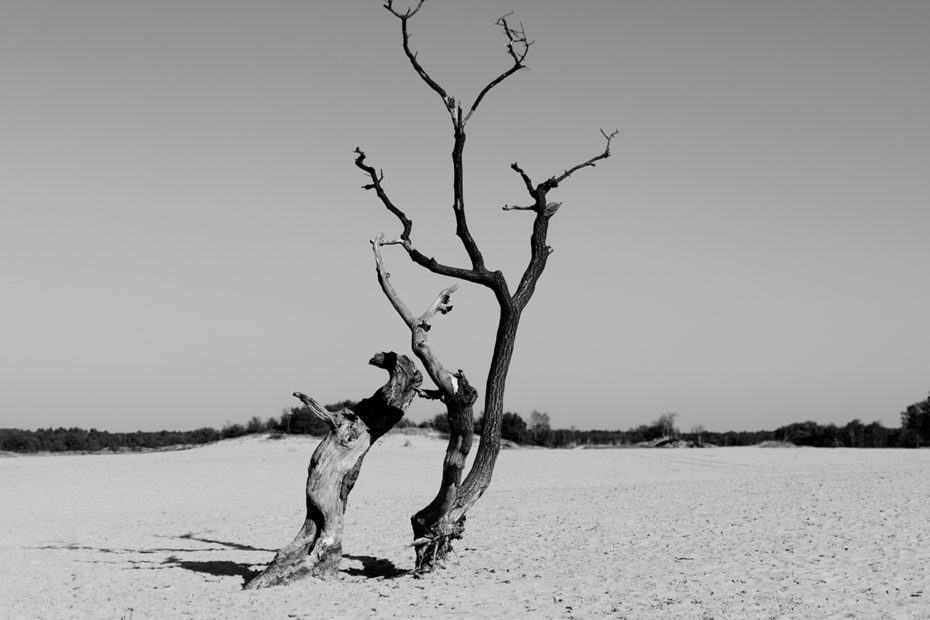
[184,239]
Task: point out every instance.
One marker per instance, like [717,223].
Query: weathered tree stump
[316,551]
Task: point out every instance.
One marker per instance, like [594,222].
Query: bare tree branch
[549,210]
[526,179]
[517,48]
[419,326]
[481,276]
[327,416]
[430,394]
[458,204]
[556,180]
[404,17]
[442,305]
[539,250]
[385,282]
[410,12]
[484,278]
[382,195]
[396,242]
[538,192]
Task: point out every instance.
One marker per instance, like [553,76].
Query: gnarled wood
[436,526]
[317,549]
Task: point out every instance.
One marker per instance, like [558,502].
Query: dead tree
[317,549]
[443,520]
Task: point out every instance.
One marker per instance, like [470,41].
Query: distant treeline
[913,433]
[82,440]
[852,435]
[298,420]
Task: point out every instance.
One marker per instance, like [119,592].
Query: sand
[638,533]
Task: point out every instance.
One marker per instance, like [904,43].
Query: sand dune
[717,533]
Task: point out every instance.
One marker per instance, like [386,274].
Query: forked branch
[482,276]
[442,305]
[517,48]
[404,17]
[538,191]
[539,250]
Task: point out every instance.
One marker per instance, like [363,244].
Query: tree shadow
[190,536]
[217,568]
[230,545]
[119,551]
[373,568]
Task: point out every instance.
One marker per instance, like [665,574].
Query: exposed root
[434,545]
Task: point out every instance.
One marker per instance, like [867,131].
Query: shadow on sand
[217,568]
[373,568]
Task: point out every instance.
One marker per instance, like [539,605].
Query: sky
[184,239]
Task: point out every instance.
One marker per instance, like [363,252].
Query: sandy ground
[716,533]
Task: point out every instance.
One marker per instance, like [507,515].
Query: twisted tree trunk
[435,526]
[316,551]
[443,521]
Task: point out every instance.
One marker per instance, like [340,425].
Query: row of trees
[536,431]
[913,433]
[82,440]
